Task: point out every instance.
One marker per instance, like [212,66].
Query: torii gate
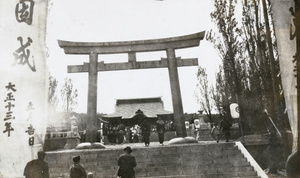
[93,49]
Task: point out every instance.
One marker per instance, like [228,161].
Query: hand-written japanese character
[22,55]
[24,11]
[31,141]
[11,87]
[30,130]
[9,97]
[9,116]
[9,106]
[30,106]
[8,128]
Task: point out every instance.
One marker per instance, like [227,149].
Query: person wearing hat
[77,170]
[37,168]
[126,163]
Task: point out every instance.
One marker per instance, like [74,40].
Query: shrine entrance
[93,49]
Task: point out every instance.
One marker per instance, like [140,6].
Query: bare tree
[52,91]
[68,96]
[204,96]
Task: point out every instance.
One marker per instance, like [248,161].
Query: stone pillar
[91,126]
[176,94]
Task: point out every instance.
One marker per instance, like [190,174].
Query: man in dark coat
[126,163]
[225,126]
[145,127]
[77,170]
[160,128]
[37,168]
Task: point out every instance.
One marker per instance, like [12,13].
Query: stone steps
[188,160]
[203,176]
[205,135]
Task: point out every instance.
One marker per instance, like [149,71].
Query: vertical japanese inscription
[24,11]
[9,101]
[30,132]
[30,128]
[22,54]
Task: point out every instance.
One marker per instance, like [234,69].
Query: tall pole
[293,162]
[91,132]
[176,94]
[297,25]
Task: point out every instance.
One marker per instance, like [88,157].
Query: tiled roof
[126,108]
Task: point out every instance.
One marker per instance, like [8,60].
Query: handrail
[251,160]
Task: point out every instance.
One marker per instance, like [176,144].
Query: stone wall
[211,160]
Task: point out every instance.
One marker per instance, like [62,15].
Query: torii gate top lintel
[186,41]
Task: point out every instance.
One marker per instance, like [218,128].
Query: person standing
[160,128]
[77,170]
[37,168]
[225,126]
[145,127]
[126,163]
[130,135]
[216,132]
[121,133]
[114,135]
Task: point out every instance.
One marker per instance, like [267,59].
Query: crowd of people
[222,128]
[141,133]
[137,133]
[116,134]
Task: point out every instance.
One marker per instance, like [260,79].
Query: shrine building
[132,112]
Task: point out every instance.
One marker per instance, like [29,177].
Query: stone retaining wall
[191,159]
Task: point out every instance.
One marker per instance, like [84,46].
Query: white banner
[283,20]
[234,110]
[187,124]
[197,123]
[23,84]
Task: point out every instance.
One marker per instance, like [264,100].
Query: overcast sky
[125,20]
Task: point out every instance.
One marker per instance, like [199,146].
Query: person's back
[145,126]
[126,163]
[37,168]
[216,130]
[160,126]
[77,170]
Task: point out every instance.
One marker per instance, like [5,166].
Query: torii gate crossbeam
[93,49]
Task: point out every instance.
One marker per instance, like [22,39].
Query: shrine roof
[127,108]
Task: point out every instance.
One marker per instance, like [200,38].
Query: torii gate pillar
[176,94]
[93,49]
[91,125]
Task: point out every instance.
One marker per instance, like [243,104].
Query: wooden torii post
[93,49]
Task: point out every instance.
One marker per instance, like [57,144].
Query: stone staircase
[205,135]
[178,161]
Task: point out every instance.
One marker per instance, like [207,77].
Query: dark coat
[145,127]
[126,163]
[160,126]
[77,171]
[36,169]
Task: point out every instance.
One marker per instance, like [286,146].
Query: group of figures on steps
[222,127]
